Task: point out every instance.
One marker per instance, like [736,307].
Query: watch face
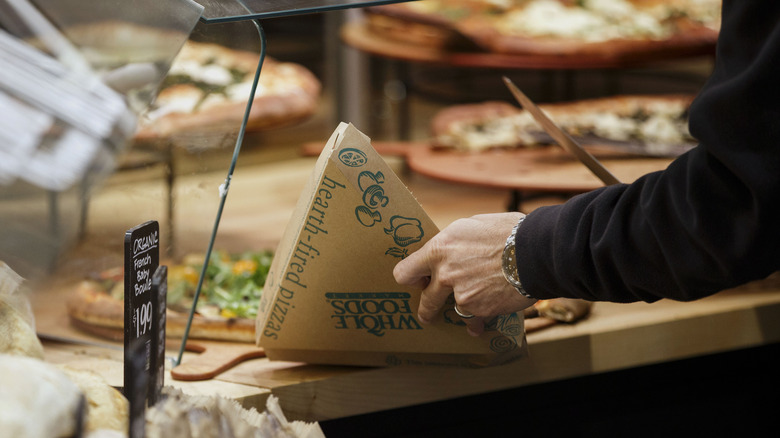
[510,266]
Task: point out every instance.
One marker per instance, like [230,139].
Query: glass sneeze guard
[222,11]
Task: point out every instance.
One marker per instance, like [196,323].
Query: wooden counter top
[615,336]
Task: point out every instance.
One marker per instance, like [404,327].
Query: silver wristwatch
[509,262]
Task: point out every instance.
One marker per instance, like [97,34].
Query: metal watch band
[510,261]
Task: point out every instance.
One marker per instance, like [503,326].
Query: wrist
[509,261]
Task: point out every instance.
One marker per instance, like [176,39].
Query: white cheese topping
[660,129]
[211,74]
[610,125]
[548,17]
[281,82]
[509,131]
[595,20]
[657,122]
[183,101]
[240,92]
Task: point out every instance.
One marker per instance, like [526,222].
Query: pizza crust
[547,313]
[412,32]
[497,125]
[694,41]
[443,121]
[93,310]
[663,30]
[287,93]
[425,23]
[566,310]
[439,13]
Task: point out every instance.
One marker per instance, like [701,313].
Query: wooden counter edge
[724,324]
[108,363]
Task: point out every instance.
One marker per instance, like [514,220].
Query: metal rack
[222,11]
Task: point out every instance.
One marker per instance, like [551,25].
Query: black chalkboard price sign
[142,258]
[157,362]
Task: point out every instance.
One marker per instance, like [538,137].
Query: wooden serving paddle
[561,137]
[214,358]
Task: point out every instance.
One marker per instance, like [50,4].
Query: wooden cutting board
[206,360]
[544,169]
[213,358]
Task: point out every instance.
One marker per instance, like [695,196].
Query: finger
[421,283]
[410,270]
[475,326]
[432,300]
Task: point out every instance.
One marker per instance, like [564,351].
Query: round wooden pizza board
[205,359]
[359,35]
[544,169]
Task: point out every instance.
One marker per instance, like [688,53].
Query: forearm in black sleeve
[710,221]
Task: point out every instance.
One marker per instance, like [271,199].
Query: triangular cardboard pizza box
[330,296]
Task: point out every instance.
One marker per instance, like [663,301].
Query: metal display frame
[224,11]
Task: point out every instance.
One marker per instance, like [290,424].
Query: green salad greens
[232,285]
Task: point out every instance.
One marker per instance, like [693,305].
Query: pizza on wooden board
[226,309]
[208,86]
[547,313]
[227,306]
[606,28]
[428,22]
[611,29]
[658,124]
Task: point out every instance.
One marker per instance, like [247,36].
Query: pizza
[226,308]
[654,124]
[190,90]
[442,13]
[609,29]
[430,23]
[230,295]
[207,89]
[547,313]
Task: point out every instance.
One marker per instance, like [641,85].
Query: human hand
[464,259]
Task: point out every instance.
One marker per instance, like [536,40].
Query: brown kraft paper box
[330,296]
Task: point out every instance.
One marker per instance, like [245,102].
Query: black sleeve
[709,222]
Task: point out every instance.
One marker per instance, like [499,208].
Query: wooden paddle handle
[214,358]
